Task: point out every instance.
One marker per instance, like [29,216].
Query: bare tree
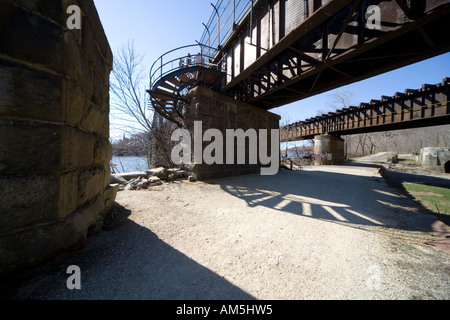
[372,142]
[341,99]
[129,103]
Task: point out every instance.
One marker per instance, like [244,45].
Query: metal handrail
[215,34]
[223,20]
[179,58]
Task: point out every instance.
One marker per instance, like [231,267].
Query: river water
[128,164]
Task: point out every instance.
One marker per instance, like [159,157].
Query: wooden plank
[184,78]
[168,86]
[162,94]
[175,82]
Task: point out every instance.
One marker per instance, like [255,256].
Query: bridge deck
[423,107]
[279,51]
[284,50]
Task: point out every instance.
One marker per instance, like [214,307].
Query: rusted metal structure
[272,52]
[177,71]
[423,107]
[288,50]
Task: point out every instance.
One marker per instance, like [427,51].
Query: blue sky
[157,26]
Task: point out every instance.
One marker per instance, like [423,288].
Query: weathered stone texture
[435,159]
[217,111]
[54,129]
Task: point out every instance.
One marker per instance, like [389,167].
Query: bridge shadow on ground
[339,194]
[127,261]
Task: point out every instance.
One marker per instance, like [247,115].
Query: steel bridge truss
[422,107]
[285,50]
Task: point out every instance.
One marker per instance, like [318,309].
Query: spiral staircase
[173,75]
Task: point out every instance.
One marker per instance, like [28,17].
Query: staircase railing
[179,58]
[291,164]
[223,20]
[226,15]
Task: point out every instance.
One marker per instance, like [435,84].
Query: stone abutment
[54,129]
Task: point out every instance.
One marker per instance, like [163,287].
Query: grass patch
[435,199]
[407,160]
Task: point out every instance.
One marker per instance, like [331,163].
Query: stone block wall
[54,129]
[328,150]
[435,159]
[217,111]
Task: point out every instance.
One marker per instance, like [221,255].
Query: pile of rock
[145,179]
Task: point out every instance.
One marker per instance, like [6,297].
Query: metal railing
[180,58]
[225,17]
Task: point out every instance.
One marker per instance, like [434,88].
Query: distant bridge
[427,106]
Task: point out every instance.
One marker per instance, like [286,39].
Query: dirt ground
[332,232]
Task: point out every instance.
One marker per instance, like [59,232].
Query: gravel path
[321,233]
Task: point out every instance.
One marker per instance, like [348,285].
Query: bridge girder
[273,59]
[427,106]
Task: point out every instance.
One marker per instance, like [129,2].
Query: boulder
[132,175]
[116,179]
[133,183]
[145,183]
[160,172]
[154,181]
[392,158]
[177,173]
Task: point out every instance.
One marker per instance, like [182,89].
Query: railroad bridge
[422,107]
[260,54]
[254,55]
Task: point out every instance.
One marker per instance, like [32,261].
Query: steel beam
[427,106]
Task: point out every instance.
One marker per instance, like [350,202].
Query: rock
[160,172]
[154,181]
[132,175]
[116,179]
[133,184]
[129,187]
[191,179]
[393,158]
[143,184]
[136,181]
[178,173]
[109,196]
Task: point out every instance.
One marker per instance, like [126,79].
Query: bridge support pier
[328,150]
[220,112]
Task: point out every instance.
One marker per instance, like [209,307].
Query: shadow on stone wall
[54,129]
